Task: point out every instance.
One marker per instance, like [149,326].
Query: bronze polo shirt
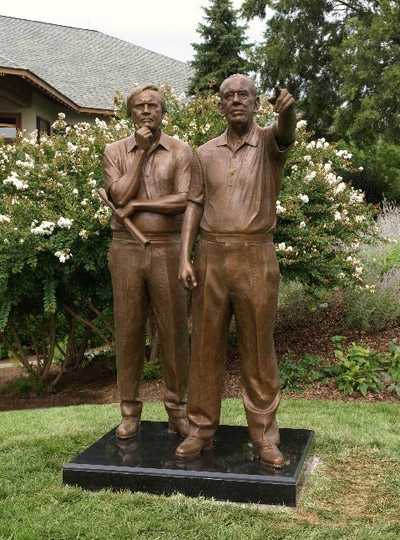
[166,171]
[239,189]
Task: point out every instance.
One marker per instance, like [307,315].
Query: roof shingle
[86,66]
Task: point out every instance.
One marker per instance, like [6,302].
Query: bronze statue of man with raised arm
[235,181]
[147,176]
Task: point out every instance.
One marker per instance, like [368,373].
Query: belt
[222,238]
[152,237]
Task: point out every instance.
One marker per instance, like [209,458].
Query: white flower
[75,191]
[310,176]
[84,202]
[310,145]
[307,158]
[83,234]
[65,223]
[302,225]
[281,246]
[4,219]
[304,198]
[71,147]
[294,168]
[279,208]
[328,166]
[15,181]
[289,248]
[92,182]
[301,124]
[63,255]
[356,196]
[44,229]
[331,178]
[337,216]
[340,187]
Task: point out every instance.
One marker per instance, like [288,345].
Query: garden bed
[97,382]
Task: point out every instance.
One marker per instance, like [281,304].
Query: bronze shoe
[129,426]
[192,446]
[270,455]
[179,425]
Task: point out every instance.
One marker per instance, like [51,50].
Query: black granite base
[228,472]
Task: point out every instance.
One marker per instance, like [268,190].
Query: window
[42,125]
[9,123]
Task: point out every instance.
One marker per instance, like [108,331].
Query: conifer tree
[220,52]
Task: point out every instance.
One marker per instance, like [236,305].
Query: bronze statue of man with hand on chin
[147,178]
[235,181]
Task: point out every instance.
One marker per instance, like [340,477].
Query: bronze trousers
[240,278]
[141,276]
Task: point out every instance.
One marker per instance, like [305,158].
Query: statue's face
[147,110]
[238,101]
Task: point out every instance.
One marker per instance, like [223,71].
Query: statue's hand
[187,276]
[125,211]
[282,100]
[144,138]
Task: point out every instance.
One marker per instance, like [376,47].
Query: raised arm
[175,202]
[283,103]
[123,188]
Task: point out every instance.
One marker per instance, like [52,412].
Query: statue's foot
[179,425]
[270,455]
[129,426]
[192,446]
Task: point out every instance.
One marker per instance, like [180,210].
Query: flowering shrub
[321,219]
[54,239]
[54,232]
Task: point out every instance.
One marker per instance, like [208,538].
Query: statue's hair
[252,85]
[138,90]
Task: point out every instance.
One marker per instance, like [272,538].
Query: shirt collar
[251,139]
[164,142]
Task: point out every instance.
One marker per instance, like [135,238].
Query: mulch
[309,333]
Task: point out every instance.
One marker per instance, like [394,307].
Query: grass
[353,494]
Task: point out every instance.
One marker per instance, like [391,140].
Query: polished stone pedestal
[228,472]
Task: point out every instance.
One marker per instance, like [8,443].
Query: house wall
[46,109]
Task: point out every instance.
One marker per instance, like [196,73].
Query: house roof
[82,68]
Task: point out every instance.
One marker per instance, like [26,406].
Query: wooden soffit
[16,86]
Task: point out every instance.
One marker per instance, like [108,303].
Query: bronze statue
[235,180]
[147,178]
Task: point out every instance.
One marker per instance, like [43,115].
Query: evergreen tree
[220,52]
[302,38]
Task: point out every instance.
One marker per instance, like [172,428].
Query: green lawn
[354,493]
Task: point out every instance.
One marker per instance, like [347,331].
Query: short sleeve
[111,172]
[196,190]
[182,170]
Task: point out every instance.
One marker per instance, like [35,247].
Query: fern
[49,299]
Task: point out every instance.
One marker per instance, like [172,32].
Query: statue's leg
[127,264]
[254,305]
[169,301]
[211,314]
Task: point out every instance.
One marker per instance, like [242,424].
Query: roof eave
[53,92]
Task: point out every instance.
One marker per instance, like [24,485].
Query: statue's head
[239,100]
[146,106]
